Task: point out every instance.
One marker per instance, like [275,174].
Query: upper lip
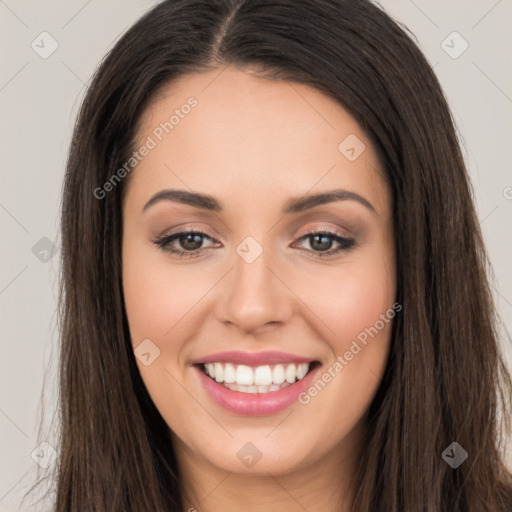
[253,358]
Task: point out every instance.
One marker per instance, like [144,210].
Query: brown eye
[321,241]
[188,242]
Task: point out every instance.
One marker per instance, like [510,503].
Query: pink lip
[257,404]
[252,359]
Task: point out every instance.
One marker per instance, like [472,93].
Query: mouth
[260,379]
[255,383]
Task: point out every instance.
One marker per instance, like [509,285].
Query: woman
[274,288]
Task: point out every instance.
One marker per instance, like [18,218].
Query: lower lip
[255,404]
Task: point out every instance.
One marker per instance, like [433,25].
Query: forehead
[249,139]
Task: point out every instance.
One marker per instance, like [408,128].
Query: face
[231,267]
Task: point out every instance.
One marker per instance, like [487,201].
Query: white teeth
[255,389]
[244,375]
[263,376]
[210,370]
[259,379]
[229,373]
[290,373]
[302,369]
[278,375]
[219,372]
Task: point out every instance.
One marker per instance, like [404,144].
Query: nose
[254,295]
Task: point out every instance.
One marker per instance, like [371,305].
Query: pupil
[324,243]
[194,239]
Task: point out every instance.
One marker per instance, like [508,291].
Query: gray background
[39,98]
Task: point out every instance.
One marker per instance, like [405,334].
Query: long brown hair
[446,380]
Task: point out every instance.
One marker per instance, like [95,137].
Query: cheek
[157,301]
[357,304]
[363,296]
[157,295]
[359,309]
[349,298]
[163,304]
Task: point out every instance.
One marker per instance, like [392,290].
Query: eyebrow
[293,205]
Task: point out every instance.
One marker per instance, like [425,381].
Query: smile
[255,384]
[259,379]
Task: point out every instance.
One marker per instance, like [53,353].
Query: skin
[253,144]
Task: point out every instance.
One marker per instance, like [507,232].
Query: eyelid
[321,227]
[188,229]
[338,230]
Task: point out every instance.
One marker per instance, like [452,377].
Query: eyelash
[164,242]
